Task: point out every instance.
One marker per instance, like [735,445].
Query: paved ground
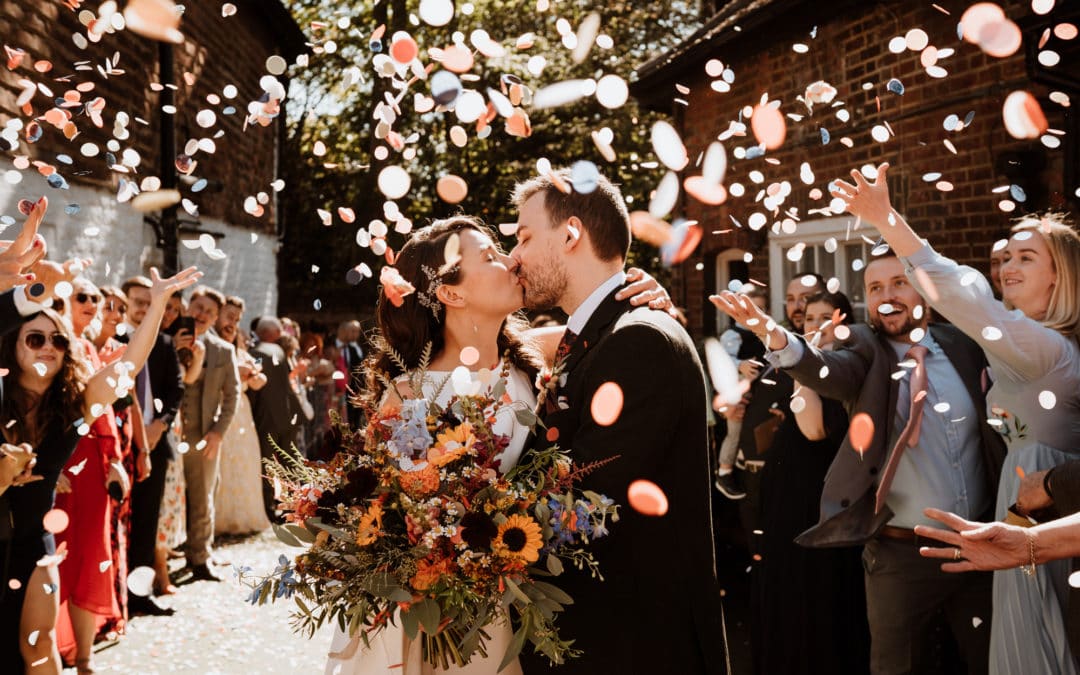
[214,631]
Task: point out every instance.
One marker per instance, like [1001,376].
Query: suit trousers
[923,620]
[146,499]
[201,475]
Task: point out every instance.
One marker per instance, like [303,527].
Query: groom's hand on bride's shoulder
[643,289]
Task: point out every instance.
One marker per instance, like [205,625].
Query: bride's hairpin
[427,296]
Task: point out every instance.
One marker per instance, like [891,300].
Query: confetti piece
[861,432]
[607,404]
[56,521]
[647,498]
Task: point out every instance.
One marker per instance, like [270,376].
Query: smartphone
[183,323]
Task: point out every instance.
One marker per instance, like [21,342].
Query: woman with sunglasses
[50,399]
[88,598]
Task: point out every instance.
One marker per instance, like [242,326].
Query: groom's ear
[449,296]
[574,232]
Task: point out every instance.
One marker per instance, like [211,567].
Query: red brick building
[778,48]
[123,69]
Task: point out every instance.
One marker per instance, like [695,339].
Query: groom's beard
[544,285]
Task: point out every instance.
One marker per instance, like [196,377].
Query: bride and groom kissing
[657,609]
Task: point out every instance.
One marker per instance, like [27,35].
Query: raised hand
[868,201]
[48,274]
[28,247]
[975,546]
[743,310]
[164,288]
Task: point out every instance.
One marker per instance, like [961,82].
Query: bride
[470,307]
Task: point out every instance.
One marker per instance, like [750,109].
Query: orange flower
[370,527]
[451,445]
[428,573]
[421,483]
[519,537]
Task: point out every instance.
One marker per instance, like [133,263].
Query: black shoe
[729,487]
[145,606]
[203,573]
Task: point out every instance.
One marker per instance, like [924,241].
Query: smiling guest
[209,405]
[912,456]
[1030,339]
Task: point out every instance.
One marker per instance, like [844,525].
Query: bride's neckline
[496,368]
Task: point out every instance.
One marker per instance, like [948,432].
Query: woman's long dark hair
[32,416]
[836,301]
[407,330]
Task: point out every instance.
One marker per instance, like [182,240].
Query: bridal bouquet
[412,521]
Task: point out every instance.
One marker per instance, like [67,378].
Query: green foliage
[322,108]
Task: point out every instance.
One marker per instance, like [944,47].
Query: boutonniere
[1006,424]
[548,381]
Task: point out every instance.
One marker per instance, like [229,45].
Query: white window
[827,246]
[730,266]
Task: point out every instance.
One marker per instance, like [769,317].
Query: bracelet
[1046,484]
[1029,569]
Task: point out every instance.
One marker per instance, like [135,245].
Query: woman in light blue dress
[1031,343]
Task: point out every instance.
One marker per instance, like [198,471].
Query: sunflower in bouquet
[412,522]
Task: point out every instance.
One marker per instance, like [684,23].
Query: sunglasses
[36,340]
[83,298]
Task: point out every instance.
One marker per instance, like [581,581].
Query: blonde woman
[1030,340]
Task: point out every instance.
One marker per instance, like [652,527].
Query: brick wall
[218,51]
[850,50]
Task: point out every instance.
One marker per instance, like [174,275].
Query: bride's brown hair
[410,328]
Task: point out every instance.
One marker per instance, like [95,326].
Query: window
[730,266]
[817,238]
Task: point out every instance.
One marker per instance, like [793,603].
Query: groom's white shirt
[580,317]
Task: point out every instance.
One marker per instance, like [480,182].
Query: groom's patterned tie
[565,343]
[909,437]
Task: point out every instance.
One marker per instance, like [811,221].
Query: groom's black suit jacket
[658,609]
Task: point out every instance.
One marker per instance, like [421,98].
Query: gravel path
[215,631]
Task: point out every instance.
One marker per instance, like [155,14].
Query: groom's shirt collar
[581,316]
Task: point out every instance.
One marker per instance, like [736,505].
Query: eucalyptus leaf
[411,622]
[554,592]
[515,646]
[427,611]
[301,533]
[512,586]
[287,537]
[554,565]
[525,417]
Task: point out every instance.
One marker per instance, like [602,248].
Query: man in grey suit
[275,407]
[932,448]
[208,408]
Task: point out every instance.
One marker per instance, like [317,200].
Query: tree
[330,104]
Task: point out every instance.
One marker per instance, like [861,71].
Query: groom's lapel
[606,314]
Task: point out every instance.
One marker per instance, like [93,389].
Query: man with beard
[658,607]
[903,453]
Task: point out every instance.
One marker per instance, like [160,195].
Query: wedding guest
[40,407]
[744,349]
[348,336]
[320,391]
[87,592]
[238,503]
[208,409]
[159,390]
[1031,343]
[276,406]
[134,449]
[812,601]
[875,497]
[16,466]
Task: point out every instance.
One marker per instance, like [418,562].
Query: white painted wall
[123,245]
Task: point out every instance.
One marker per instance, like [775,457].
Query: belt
[753,466]
[907,535]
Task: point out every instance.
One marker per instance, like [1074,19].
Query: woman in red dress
[87,576]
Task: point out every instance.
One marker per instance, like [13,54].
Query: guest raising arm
[1030,340]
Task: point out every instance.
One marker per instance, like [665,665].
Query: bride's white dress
[390,652]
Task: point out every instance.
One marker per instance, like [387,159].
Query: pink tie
[909,437]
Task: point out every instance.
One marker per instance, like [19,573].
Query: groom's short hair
[602,210]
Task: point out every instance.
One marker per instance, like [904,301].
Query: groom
[658,608]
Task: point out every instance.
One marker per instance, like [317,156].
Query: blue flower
[410,434]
